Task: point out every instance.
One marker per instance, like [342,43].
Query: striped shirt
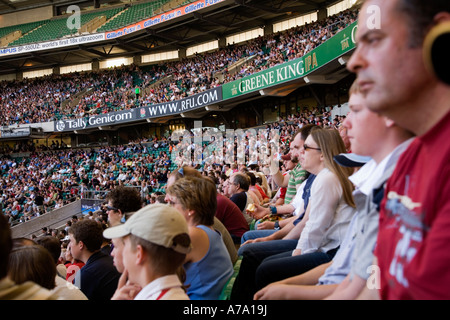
[297,176]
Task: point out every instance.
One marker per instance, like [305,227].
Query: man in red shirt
[412,247]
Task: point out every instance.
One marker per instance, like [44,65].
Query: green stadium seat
[226,291]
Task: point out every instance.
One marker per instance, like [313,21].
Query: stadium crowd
[60,175]
[54,97]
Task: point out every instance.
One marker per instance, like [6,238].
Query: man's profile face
[391,74]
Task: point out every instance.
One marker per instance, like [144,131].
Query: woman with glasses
[208,266]
[327,216]
[331,207]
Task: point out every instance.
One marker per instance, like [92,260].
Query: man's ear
[81,245]
[141,255]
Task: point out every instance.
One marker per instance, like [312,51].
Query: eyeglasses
[306,147]
[171,203]
[108,208]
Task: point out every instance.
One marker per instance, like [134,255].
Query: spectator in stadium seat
[344,277]
[297,175]
[122,203]
[287,166]
[72,265]
[330,209]
[414,215]
[98,278]
[208,266]
[228,219]
[32,264]
[156,242]
[238,185]
[9,290]
[262,197]
[53,245]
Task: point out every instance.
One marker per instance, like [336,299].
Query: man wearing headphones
[412,247]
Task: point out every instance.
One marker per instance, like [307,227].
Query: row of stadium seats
[133,14]
[57,28]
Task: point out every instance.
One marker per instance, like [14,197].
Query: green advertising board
[333,48]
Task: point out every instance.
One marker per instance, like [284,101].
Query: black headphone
[437,58]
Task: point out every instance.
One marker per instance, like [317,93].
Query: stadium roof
[214,22]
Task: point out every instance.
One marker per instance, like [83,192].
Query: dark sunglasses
[306,147]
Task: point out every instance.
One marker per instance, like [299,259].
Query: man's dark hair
[420,15]
[90,232]
[52,245]
[242,179]
[252,178]
[305,131]
[127,199]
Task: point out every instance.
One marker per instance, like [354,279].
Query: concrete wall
[55,219]
[21,17]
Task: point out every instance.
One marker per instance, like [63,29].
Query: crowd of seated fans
[32,186]
[61,175]
[54,97]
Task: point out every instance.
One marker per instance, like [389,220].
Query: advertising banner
[333,48]
[160,18]
[193,102]
[73,41]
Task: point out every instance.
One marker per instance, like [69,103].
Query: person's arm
[271,224]
[369,294]
[260,212]
[281,180]
[325,196]
[291,292]
[348,289]
[200,244]
[296,231]
[125,289]
[300,287]
[277,235]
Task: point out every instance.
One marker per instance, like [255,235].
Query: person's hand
[255,240]
[296,252]
[273,291]
[259,212]
[126,290]
[266,225]
[274,166]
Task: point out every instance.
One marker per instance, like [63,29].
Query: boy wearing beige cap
[155,244]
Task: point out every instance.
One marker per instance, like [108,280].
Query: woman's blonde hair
[331,144]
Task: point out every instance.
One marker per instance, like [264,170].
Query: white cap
[156,223]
